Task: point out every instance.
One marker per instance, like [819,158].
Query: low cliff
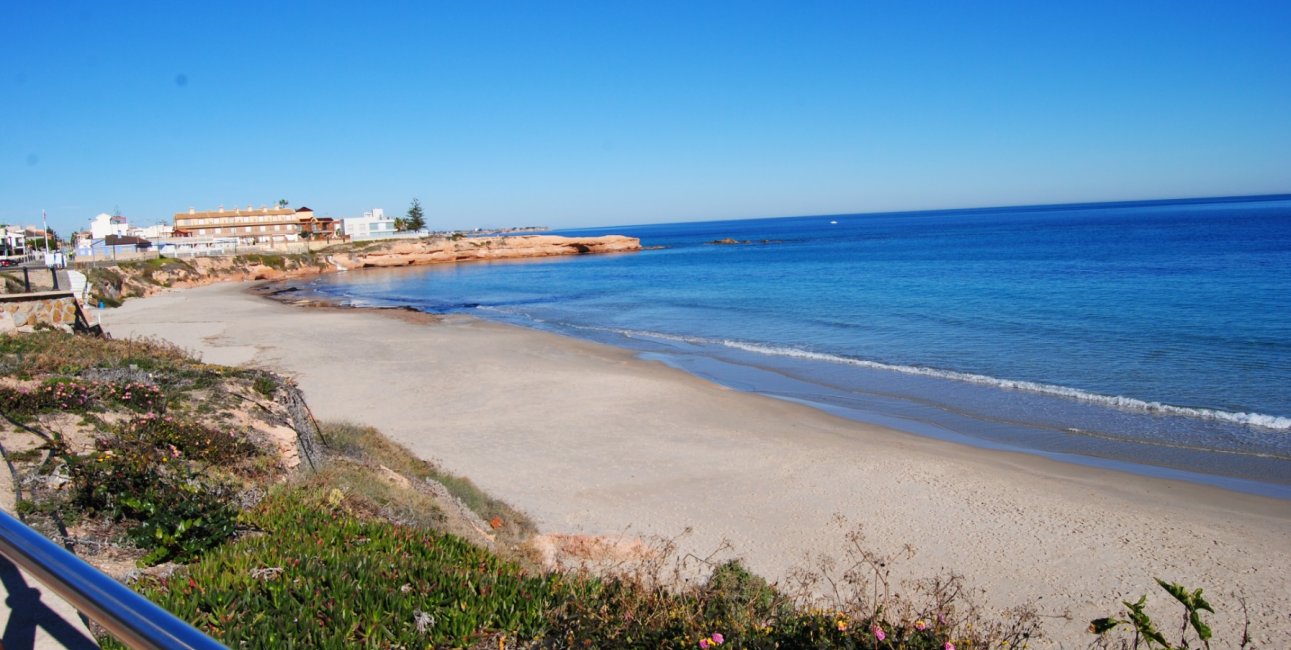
[143,278]
[438,251]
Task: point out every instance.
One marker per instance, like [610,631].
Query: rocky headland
[466,249]
[146,277]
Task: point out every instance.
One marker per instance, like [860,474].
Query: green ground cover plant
[172,482]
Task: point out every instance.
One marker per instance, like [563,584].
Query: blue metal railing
[131,618]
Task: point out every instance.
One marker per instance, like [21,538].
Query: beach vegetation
[273,261]
[369,446]
[1140,630]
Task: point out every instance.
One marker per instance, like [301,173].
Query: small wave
[1115,401]
[643,334]
[1278,423]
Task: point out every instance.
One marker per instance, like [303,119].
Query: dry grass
[369,445]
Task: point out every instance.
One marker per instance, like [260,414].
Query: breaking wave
[1274,422]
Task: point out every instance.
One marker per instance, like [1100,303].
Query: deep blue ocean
[1151,336]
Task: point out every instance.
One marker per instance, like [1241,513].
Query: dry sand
[589,439]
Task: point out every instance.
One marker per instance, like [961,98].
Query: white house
[12,241]
[374,224]
[105,224]
[152,233]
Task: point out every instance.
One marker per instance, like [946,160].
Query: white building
[151,233]
[105,224]
[12,241]
[374,224]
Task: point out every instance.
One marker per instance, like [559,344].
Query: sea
[1151,337]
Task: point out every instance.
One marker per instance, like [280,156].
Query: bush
[153,473]
[57,395]
[62,395]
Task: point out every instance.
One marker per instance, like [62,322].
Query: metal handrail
[131,618]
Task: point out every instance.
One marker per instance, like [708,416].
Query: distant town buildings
[157,231]
[106,224]
[224,230]
[248,225]
[320,228]
[12,241]
[374,224]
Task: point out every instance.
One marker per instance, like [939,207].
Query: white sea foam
[1277,423]
[1115,401]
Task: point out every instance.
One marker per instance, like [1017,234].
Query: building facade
[12,241]
[105,224]
[158,231]
[249,225]
[374,224]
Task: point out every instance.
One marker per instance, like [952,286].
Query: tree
[282,203]
[416,220]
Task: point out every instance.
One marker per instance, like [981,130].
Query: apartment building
[374,224]
[248,225]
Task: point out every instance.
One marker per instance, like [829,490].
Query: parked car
[8,262]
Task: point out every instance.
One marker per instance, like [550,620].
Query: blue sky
[601,113]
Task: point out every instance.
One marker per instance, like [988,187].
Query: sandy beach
[589,439]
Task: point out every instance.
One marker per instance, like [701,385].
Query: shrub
[192,440]
[61,395]
[134,395]
[153,473]
[1143,629]
[177,513]
[57,395]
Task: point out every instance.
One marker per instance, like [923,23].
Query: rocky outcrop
[143,278]
[439,251]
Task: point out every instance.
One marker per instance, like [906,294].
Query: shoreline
[587,438]
[1250,473]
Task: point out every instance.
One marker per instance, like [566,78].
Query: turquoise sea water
[1154,336]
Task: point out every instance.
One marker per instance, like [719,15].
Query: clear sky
[601,113]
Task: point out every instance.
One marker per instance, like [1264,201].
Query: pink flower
[948,646]
[704,643]
[921,625]
[878,633]
[718,639]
